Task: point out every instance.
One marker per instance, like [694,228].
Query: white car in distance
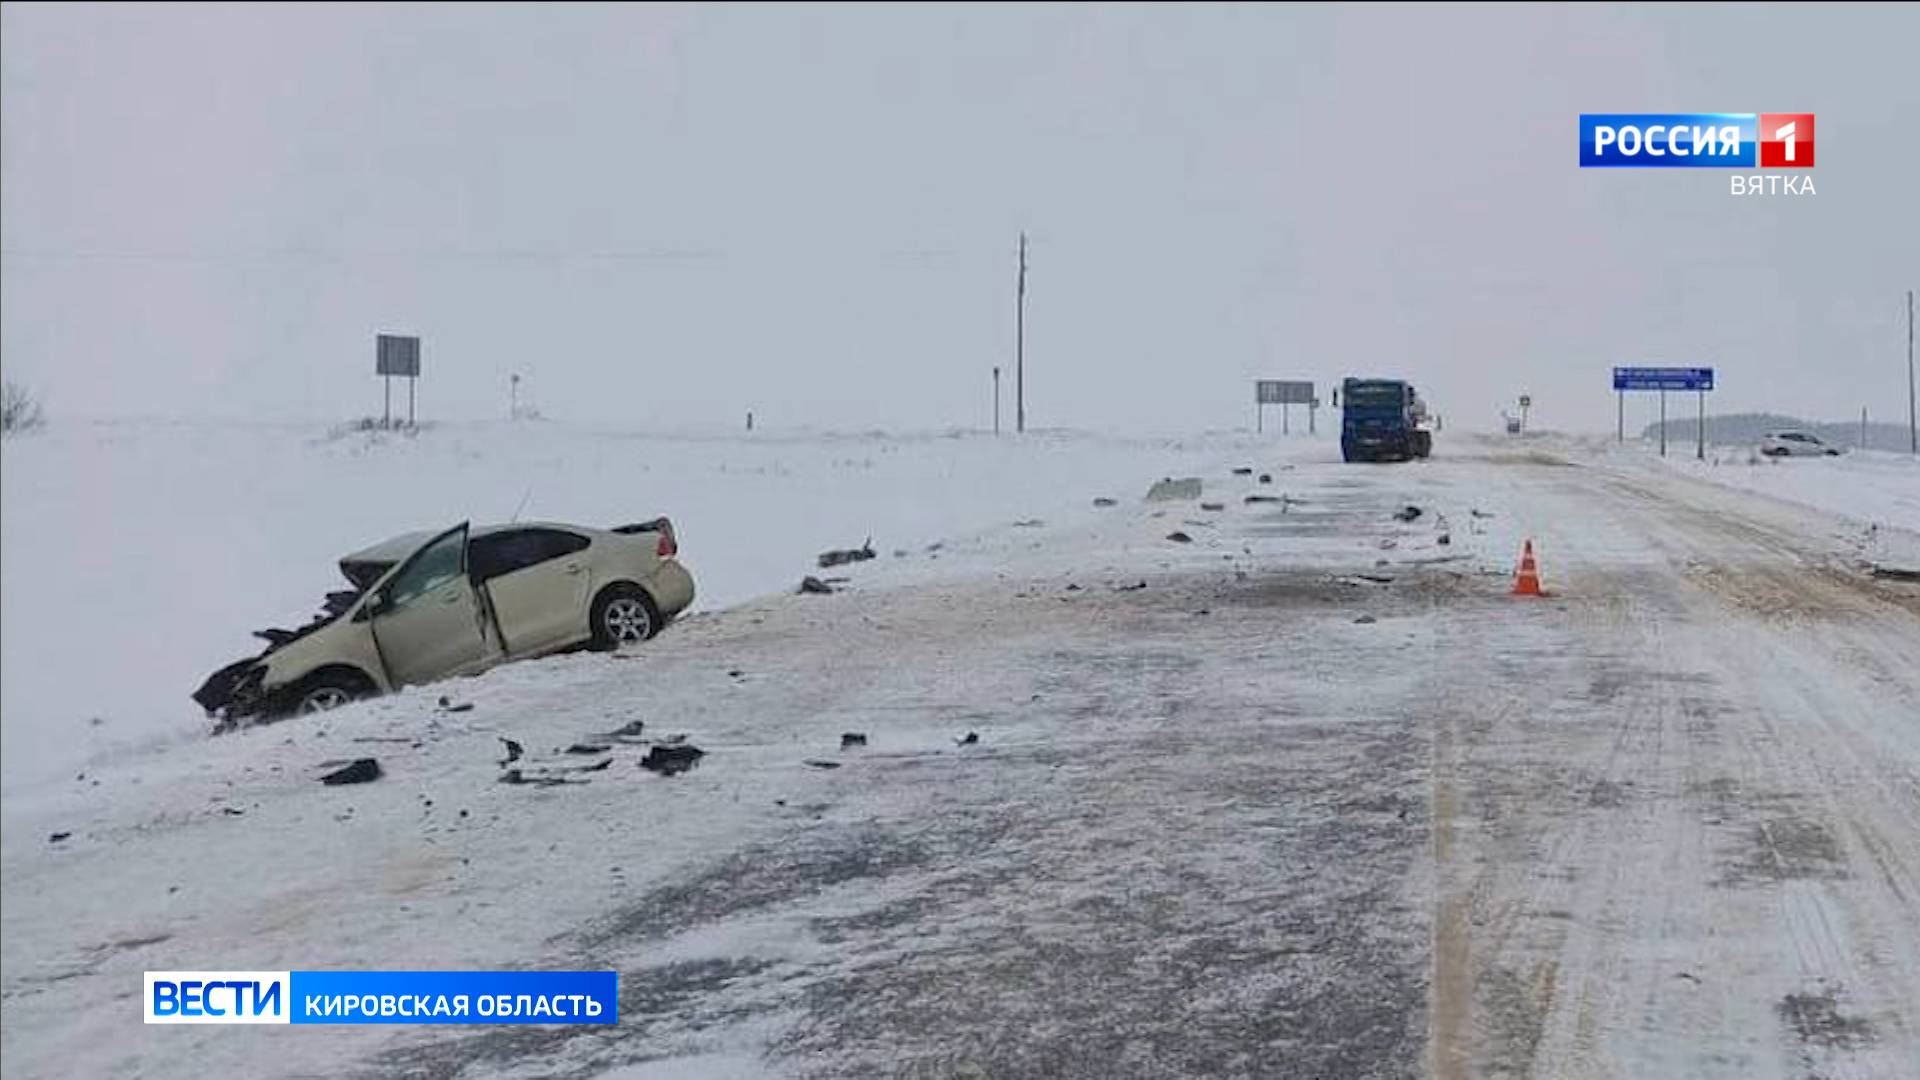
[1796,444]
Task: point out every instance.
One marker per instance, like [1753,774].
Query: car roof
[395,548]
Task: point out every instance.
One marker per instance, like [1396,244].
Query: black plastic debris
[852,738]
[363,771]
[1263,498]
[1446,540]
[57,837]
[517,776]
[1479,513]
[1266,478]
[815,585]
[672,760]
[1213,508]
[839,556]
[1243,471]
[589,748]
[1407,513]
[972,738]
[514,750]
[1136,587]
[818,764]
[1103,501]
[1179,537]
[1365,620]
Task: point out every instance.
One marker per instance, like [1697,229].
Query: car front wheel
[623,615]
[325,691]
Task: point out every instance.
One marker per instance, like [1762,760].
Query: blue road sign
[1663,378]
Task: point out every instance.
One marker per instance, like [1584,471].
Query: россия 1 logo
[1704,141]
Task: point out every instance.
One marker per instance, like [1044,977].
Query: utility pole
[1913,431]
[1020,344]
[513,397]
[996,399]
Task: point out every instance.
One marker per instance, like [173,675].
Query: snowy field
[139,556]
[1869,486]
[1306,794]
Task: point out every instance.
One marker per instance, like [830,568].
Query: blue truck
[1383,420]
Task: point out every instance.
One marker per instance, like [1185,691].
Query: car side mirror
[376,604]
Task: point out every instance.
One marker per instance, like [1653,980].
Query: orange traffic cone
[1527,581]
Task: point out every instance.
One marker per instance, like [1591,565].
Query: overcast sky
[672,215]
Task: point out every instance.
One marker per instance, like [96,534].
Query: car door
[536,579]
[427,620]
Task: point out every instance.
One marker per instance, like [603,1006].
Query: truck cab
[1383,420]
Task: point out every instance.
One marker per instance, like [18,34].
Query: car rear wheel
[623,615]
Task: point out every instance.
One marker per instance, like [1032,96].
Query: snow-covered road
[1308,796]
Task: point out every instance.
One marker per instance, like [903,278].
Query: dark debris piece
[972,738]
[363,771]
[1179,537]
[812,584]
[839,556]
[672,760]
[630,732]
[1103,501]
[1407,513]
[818,764]
[514,750]
[57,837]
[852,738]
[589,748]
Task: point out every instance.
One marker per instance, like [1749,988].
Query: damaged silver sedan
[430,606]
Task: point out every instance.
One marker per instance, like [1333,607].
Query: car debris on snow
[629,732]
[818,764]
[1168,489]
[852,738]
[1407,513]
[815,586]
[1179,537]
[1103,502]
[588,748]
[1029,523]
[58,837]
[1212,507]
[840,556]
[362,771]
[1266,478]
[671,760]
[1266,499]
[514,750]
[971,738]
[1365,620]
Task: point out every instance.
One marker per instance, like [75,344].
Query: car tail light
[669,546]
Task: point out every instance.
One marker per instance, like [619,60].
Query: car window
[434,565]
[516,549]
